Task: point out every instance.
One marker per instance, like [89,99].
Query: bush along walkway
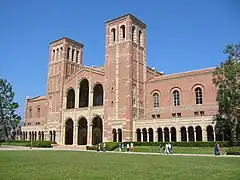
[129,153]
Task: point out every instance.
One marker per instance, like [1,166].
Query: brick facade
[122,101]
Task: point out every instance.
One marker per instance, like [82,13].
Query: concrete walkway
[17,148]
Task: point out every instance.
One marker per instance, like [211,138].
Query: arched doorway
[144,131]
[83,93]
[70,99]
[98,95]
[114,132]
[198,133]
[190,133]
[166,134]
[42,136]
[138,135]
[173,134]
[69,132]
[50,135]
[183,134]
[82,131]
[97,130]
[119,135]
[54,136]
[160,137]
[210,136]
[150,133]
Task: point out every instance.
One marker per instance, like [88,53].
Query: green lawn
[63,165]
[179,150]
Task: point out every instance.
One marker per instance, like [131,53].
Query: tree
[226,78]
[8,118]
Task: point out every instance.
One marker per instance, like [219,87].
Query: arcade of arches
[184,134]
[81,99]
[32,135]
[84,133]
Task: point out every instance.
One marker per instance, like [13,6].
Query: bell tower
[125,67]
[65,59]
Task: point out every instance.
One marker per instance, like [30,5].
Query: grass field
[63,165]
[179,150]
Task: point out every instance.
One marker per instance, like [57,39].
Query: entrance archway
[119,135]
[198,133]
[190,133]
[97,130]
[150,133]
[160,134]
[69,132]
[144,132]
[138,135]
[173,134]
[114,132]
[183,134]
[210,136]
[82,131]
[166,134]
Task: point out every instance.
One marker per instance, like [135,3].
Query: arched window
[140,37]
[77,54]
[133,33]
[30,113]
[155,100]
[68,53]
[38,112]
[123,31]
[199,95]
[176,98]
[113,35]
[70,99]
[73,54]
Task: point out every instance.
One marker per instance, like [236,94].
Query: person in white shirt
[127,147]
[131,147]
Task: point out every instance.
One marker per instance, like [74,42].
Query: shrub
[233,151]
[43,144]
[110,146]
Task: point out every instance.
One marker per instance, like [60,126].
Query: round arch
[98,95]
[69,132]
[97,130]
[83,93]
[82,131]
[70,104]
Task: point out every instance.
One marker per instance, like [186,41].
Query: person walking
[131,147]
[127,147]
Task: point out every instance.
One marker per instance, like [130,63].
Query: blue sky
[181,35]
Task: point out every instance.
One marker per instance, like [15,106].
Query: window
[30,113]
[38,112]
[123,32]
[53,54]
[133,33]
[57,52]
[176,98]
[153,116]
[140,37]
[140,103]
[202,113]
[155,100]
[196,113]
[77,56]
[73,54]
[158,116]
[113,35]
[173,115]
[179,115]
[199,95]
[68,53]
[111,103]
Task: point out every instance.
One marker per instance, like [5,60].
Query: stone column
[89,134]
[195,136]
[163,136]
[204,131]
[63,134]
[117,137]
[77,97]
[187,136]
[214,135]
[75,134]
[178,135]
[147,136]
[141,136]
[155,136]
[90,98]
[170,136]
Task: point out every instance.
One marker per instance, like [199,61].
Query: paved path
[12,148]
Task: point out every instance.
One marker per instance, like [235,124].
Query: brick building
[124,100]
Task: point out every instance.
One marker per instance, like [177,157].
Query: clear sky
[181,35]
